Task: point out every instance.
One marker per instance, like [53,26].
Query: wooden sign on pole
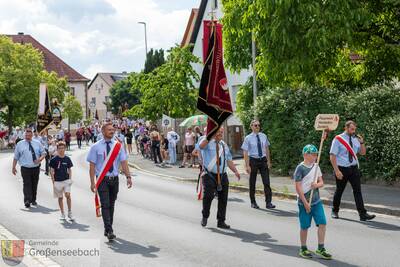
[324,123]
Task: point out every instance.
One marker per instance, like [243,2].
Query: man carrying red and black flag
[214,100]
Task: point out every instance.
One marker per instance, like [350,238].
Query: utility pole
[253,53]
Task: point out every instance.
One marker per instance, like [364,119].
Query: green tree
[125,91]
[72,109]
[20,74]
[169,89]
[154,59]
[302,41]
[58,87]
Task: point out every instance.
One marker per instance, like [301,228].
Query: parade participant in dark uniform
[257,158]
[109,186]
[215,178]
[343,156]
[29,153]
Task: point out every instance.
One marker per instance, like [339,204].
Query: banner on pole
[44,118]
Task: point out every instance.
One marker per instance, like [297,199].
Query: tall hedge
[287,116]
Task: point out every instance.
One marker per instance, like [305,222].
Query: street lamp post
[253,55]
[145,34]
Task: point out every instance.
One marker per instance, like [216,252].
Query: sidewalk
[379,199]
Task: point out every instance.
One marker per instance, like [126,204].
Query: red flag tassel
[200,189]
[97,204]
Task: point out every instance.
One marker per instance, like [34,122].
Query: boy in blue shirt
[304,180]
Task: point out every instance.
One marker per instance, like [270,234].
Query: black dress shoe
[254,205]
[270,206]
[223,225]
[111,236]
[335,215]
[204,222]
[367,217]
[27,205]
[34,203]
[105,233]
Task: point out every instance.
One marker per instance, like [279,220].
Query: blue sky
[98,35]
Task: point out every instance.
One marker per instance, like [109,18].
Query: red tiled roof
[51,61]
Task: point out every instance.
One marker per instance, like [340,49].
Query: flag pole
[317,163]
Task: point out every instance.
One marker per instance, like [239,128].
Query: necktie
[260,153]
[218,157]
[351,144]
[32,152]
[108,151]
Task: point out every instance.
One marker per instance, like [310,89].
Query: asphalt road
[157,223]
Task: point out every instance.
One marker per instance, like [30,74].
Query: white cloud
[93,69]
[97,35]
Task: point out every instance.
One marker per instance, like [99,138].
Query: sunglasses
[256,125]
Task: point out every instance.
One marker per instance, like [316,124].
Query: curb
[381,209]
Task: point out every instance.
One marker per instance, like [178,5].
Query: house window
[94,100]
[107,99]
[72,90]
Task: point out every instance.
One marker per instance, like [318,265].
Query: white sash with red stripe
[108,162]
[348,147]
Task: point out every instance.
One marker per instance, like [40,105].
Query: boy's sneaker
[62,217]
[323,254]
[305,253]
[70,216]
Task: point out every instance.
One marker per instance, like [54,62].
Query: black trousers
[30,178]
[352,175]
[255,166]
[108,191]
[210,190]
[155,150]
[47,161]
[79,142]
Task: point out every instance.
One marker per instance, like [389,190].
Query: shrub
[287,116]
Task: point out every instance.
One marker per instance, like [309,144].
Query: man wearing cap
[29,153]
[257,158]
[215,178]
[344,160]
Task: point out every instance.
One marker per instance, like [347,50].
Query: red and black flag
[214,99]
[45,117]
